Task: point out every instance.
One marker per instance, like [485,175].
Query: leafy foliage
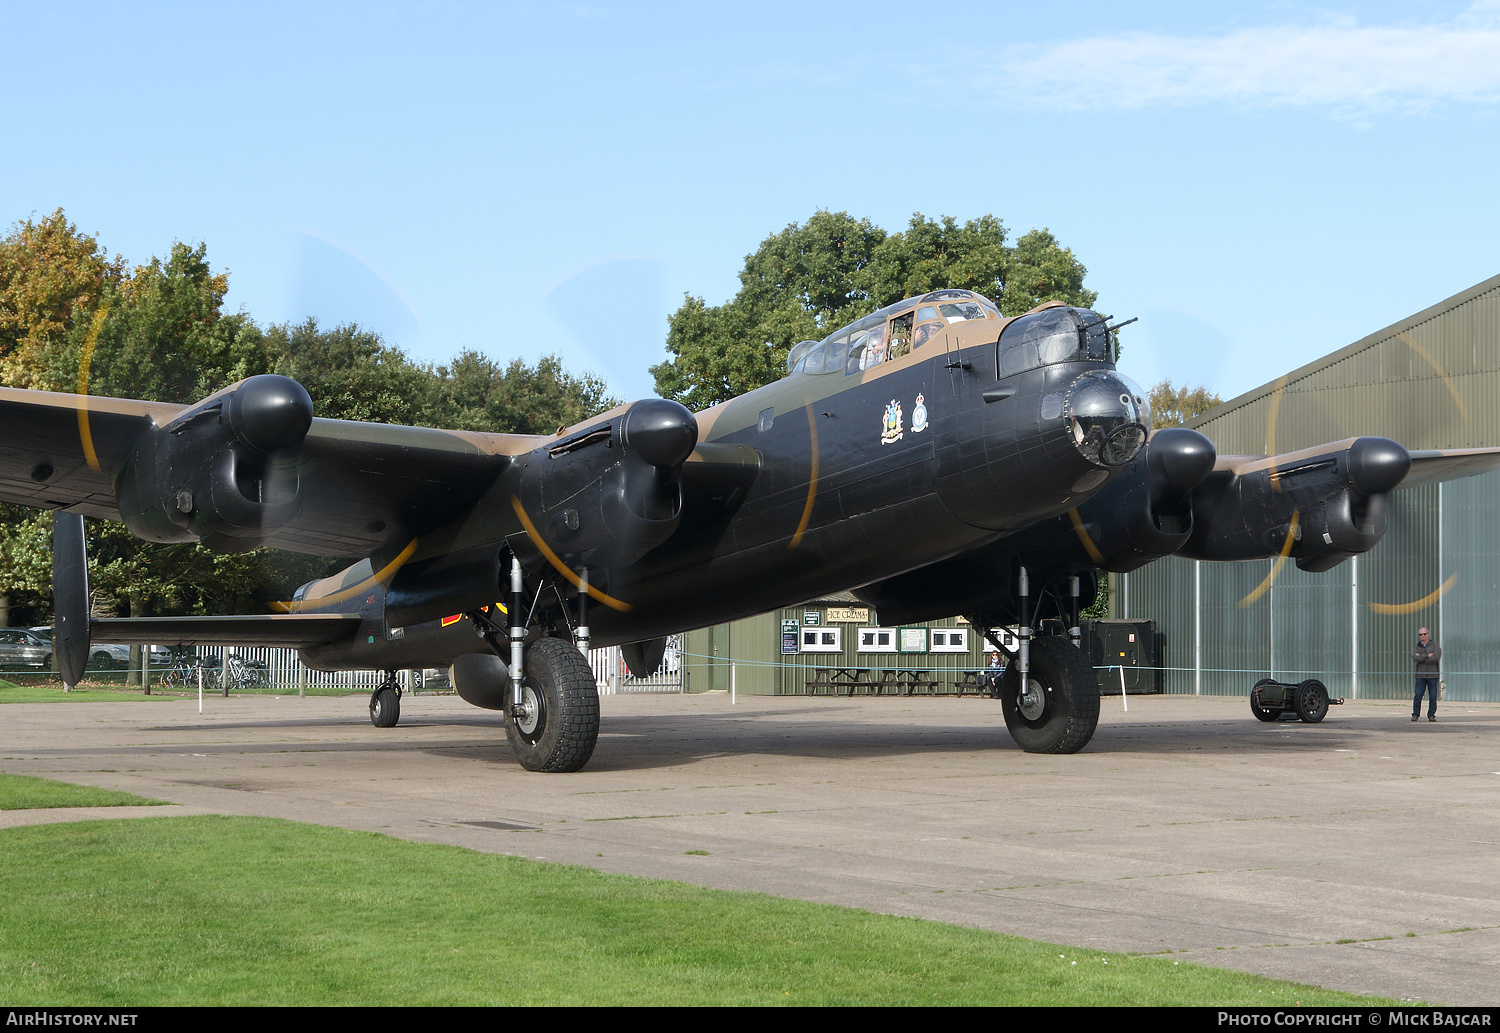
[51,279]
[474,393]
[807,280]
[1174,406]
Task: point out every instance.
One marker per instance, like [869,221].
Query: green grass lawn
[252,911]
[99,689]
[52,692]
[21,792]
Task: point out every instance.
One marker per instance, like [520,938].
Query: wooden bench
[974,680]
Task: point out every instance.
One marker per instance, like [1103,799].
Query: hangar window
[822,640]
[877,640]
[950,640]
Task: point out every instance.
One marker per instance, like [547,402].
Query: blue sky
[1260,184]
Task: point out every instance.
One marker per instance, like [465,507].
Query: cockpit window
[794,357]
[813,361]
[958,312]
[1055,335]
[870,341]
[925,333]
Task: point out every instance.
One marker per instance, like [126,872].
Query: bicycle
[240,674]
[183,672]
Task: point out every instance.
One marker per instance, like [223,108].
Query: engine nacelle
[1145,512]
[1142,514]
[606,496]
[225,471]
[1320,509]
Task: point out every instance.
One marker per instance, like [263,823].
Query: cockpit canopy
[889,333]
[1057,334]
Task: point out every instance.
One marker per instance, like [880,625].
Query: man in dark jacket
[1427,654]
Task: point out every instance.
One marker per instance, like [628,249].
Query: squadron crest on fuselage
[891,427]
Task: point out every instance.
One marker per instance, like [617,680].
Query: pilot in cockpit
[900,335]
[874,348]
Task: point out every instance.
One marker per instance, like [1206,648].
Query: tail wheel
[1311,700]
[1262,713]
[1058,709]
[554,723]
[385,707]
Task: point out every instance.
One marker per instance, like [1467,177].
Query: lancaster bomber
[934,457]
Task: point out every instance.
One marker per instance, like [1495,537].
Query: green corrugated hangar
[1431,381]
[832,647]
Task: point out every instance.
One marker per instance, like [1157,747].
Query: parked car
[105,656]
[24,650]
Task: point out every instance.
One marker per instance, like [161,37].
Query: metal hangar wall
[1430,381]
[832,647]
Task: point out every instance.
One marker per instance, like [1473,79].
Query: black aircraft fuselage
[822,481]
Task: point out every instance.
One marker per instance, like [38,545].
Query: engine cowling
[1320,509]
[225,471]
[1142,514]
[1145,512]
[607,495]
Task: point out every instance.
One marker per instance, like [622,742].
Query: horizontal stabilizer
[1434,465]
[289,631]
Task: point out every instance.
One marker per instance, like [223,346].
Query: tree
[52,278]
[351,373]
[808,280]
[801,283]
[1173,407]
[474,393]
[25,562]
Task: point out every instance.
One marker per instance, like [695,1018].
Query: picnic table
[870,681]
[973,680]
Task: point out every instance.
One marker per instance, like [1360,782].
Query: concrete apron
[1186,826]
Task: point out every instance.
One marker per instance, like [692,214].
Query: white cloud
[1332,64]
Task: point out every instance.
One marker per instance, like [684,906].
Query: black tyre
[558,722]
[1061,709]
[1311,701]
[385,707]
[1263,713]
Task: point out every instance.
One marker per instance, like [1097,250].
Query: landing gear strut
[385,702]
[554,719]
[1049,693]
[552,713]
[1057,708]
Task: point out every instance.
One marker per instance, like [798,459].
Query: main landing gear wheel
[385,705]
[1059,709]
[1311,701]
[555,723]
[1263,713]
